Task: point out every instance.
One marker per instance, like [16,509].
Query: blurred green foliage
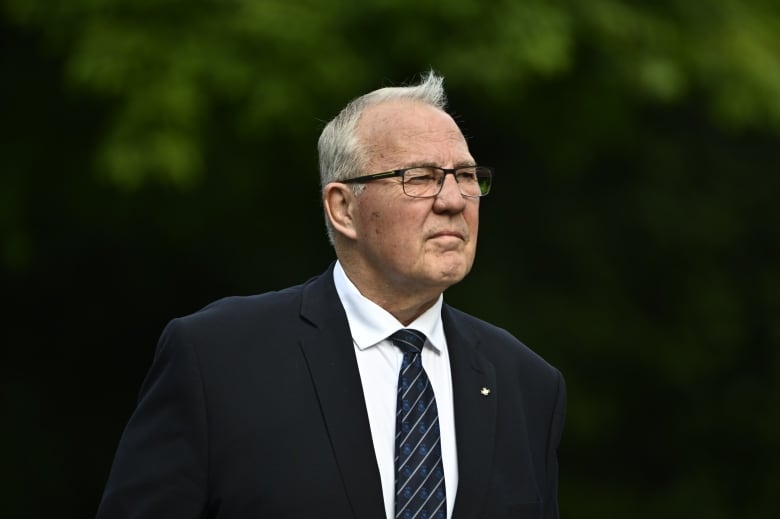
[168,65]
[159,154]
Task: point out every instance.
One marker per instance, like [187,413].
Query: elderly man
[359,393]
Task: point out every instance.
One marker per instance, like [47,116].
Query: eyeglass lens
[428,181]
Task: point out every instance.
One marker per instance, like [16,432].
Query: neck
[405,303]
[404,311]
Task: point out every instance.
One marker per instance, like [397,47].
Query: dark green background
[156,155]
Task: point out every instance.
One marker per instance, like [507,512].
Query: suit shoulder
[274,301]
[498,343]
[234,314]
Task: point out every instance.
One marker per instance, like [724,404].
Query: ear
[340,203]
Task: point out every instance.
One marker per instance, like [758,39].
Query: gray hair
[341,153]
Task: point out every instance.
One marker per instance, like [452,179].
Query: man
[359,393]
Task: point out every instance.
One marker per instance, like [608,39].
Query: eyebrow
[423,164]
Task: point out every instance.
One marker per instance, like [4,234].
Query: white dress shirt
[379,362]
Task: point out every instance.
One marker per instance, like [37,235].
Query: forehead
[400,133]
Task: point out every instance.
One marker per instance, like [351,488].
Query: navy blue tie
[419,473]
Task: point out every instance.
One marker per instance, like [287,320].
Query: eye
[419,176]
[467,175]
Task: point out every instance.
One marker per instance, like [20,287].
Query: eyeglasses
[428,181]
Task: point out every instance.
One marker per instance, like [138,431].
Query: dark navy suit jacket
[253,408]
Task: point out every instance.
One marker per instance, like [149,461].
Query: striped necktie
[419,473]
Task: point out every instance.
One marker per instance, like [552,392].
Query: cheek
[376,222]
[387,225]
[383,226]
[472,220]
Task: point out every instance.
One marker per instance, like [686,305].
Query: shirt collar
[370,324]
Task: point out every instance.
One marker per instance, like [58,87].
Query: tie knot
[410,341]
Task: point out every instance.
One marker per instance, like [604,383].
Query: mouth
[448,234]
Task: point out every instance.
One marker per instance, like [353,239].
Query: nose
[449,198]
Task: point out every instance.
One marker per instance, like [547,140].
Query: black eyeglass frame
[400,173]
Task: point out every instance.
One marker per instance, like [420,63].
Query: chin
[453,274]
[447,269]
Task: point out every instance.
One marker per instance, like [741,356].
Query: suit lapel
[331,361]
[330,357]
[474,395]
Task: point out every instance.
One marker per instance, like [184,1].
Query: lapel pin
[485,391]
